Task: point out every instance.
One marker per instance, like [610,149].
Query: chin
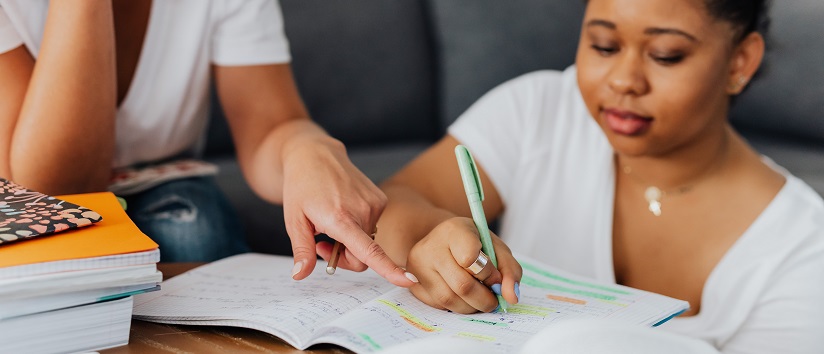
[629,146]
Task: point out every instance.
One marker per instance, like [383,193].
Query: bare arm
[264,111]
[288,159]
[58,114]
[427,227]
[430,188]
[15,69]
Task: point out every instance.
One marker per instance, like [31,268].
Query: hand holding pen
[471,179]
[445,263]
[453,271]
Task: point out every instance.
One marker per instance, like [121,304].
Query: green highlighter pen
[475,194]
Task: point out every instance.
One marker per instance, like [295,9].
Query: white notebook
[37,304]
[76,329]
[68,282]
[116,260]
[364,313]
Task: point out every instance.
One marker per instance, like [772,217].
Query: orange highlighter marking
[566,299]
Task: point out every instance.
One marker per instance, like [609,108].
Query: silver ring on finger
[478,265]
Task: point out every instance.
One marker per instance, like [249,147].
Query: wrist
[302,136]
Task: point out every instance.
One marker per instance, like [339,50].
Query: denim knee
[190,219]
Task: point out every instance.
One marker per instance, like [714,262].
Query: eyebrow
[656,30]
[648,31]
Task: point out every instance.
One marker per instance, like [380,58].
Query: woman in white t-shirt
[91,86]
[624,168]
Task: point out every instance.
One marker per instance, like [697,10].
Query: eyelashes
[604,51]
[666,59]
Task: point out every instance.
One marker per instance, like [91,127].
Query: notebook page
[257,291]
[348,309]
[547,297]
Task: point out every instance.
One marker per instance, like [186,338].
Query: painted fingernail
[496,288]
[411,277]
[296,269]
[518,291]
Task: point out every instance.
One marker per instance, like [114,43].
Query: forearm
[63,141]
[294,140]
[408,218]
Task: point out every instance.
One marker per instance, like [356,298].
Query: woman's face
[654,73]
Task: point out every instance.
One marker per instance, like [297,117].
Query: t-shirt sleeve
[249,32]
[790,315]
[495,128]
[9,38]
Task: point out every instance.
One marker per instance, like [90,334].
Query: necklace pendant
[655,207]
[653,196]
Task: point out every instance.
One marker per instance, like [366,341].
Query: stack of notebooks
[66,282]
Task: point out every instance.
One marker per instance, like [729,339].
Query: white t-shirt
[554,169]
[164,112]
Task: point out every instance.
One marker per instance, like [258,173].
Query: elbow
[268,189]
[56,184]
[53,179]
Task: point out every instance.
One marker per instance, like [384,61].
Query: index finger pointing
[369,252]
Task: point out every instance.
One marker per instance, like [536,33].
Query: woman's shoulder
[793,204]
[801,206]
[543,97]
[546,81]
[791,226]
[788,228]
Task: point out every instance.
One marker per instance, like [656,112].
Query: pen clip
[469,171]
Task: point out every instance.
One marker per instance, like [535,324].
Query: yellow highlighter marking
[409,318]
[480,337]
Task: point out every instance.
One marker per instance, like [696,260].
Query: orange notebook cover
[115,234]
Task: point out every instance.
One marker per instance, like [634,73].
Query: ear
[746,59]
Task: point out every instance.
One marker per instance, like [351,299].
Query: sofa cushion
[363,67]
[482,43]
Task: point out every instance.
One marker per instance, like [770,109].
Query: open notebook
[364,313]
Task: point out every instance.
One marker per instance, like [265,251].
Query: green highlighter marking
[489,323]
[544,285]
[535,269]
[369,340]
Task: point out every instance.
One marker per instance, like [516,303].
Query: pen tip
[502,304]
[330,270]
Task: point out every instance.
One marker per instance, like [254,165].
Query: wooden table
[147,337]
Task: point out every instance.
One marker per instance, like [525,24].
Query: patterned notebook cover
[26,214]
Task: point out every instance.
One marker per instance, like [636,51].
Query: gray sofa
[387,77]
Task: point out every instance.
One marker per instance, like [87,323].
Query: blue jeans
[190,219]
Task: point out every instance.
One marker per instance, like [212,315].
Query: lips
[626,122]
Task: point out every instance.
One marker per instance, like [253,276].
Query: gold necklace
[655,195]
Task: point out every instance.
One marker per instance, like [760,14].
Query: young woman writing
[625,168]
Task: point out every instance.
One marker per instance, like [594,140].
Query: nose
[627,76]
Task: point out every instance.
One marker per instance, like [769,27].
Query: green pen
[475,194]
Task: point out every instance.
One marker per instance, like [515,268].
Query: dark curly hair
[746,16]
